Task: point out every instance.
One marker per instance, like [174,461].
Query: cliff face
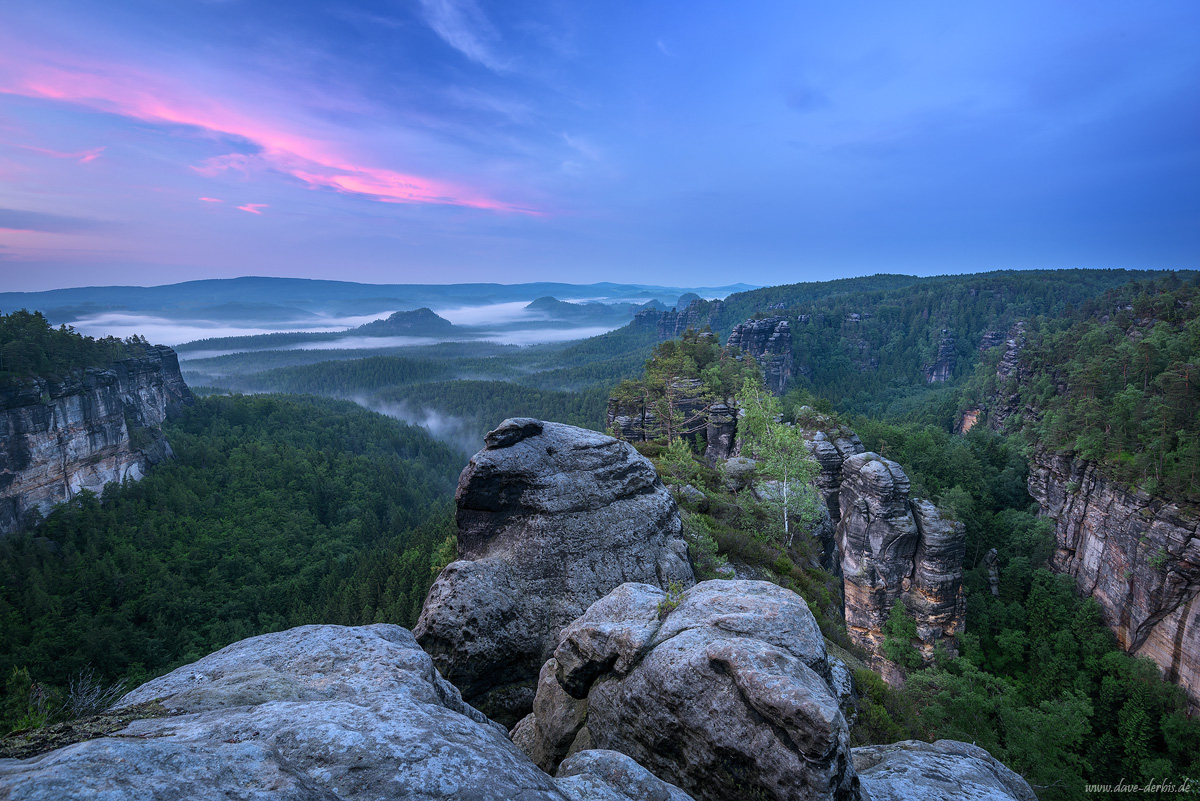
[1137,555]
[697,314]
[769,341]
[942,369]
[99,426]
[896,550]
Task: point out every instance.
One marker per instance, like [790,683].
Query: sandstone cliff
[550,518]
[896,550]
[769,341]
[93,427]
[1137,555]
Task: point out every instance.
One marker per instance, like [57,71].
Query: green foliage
[781,455]
[275,512]
[1116,383]
[29,347]
[899,632]
[669,604]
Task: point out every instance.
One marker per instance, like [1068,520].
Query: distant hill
[419,323]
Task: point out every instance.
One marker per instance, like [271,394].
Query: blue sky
[673,143]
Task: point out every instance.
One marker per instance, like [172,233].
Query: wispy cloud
[212,200]
[82,156]
[274,145]
[21,220]
[463,26]
[253,208]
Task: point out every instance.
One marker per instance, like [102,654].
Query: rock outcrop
[96,426]
[725,691]
[550,519]
[316,713]
[944,363]
[696,315]
[896,550]
[1009,375]
[1137,555]
[946,770]
[831,444]
[769,341]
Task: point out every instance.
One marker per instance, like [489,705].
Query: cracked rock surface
[723,691]
[550,519]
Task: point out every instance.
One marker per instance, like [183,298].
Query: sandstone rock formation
[724,690]
[769,341]
[550,519]
[1137,555]
[93,427]
[696,315]
[944,363]
[316,713]
[895,550]
[946,770]
[831,445]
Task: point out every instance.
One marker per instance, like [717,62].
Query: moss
[31,742]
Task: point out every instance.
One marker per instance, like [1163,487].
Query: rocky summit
[550,519]
[317,713]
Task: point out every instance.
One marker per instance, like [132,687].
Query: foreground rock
[724,690]
[314,713]
[550,519]
[943,771]
[894,550]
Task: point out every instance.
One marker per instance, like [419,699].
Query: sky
[681,143]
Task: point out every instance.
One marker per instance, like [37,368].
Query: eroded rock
[724,691]
[550,519]
[946,770]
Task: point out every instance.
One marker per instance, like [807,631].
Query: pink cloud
[151,98]
[253,208]
[83,156]
[212,200]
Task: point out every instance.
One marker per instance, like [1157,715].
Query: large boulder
[316,713]
[550,519]
[943,771]
[724,690]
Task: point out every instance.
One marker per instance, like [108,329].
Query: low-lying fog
[500,323]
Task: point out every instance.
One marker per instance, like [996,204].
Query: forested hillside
[29,346]
[276,511]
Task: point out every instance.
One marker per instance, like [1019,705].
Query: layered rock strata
[96,426]
[550,519]
[942,369]
[725,691]
[1137,555]
[831,445]
[317,713]
[894,550]
[769,341]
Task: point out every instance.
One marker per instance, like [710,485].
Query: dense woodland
[276,511]
[285,510]
[30,346]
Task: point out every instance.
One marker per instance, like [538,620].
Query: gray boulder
[724,690]
[316,713]
[550,519]
[943,771]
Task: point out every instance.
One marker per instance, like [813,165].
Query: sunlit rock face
[1137,555]
[316,713]
[57,438]
[896,550]
[550,519]
[769,341]
[724,690]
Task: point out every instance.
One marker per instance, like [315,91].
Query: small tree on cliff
[781,454]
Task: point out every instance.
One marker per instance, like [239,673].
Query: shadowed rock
[550,518]
[943,771]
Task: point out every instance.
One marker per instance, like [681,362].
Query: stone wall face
[1137,555]
[94,427]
